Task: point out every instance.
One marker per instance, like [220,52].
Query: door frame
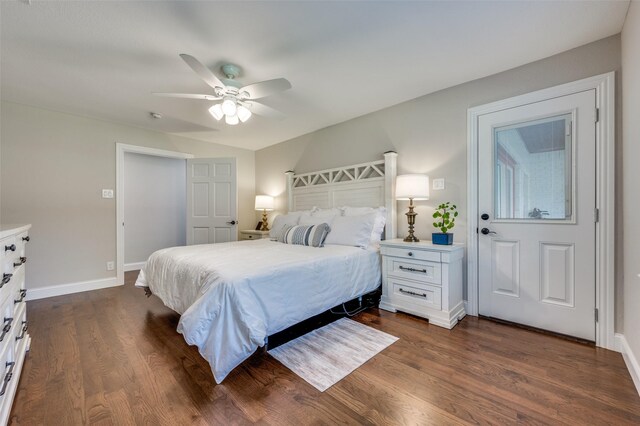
[121,149]
[604,86]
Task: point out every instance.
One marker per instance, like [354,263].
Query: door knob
[233,222]
[486,231]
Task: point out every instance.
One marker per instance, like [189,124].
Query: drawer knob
[410,253]
[5,279]
[24,330]
[7,377]
[27,239]
[12,247]
[23,294]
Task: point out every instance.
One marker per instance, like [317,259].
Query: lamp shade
[264,202]
[412,186]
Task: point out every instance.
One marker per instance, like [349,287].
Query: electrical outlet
[438,184]
[111,266]
[107,193]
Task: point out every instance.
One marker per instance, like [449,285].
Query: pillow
[305,235]
[352,230]
[316,218]
[381,219]
[317,211]
[281,221]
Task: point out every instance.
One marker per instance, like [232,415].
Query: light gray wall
[429,133]
[155,204]
[631,174]
[54,166]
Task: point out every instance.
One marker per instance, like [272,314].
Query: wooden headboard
[360,185]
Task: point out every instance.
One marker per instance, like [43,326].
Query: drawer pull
[23,294]
[7,377]
[6,328]
[410,254]
[404,268]
[5,279]
[413,293]
[12,247]
[24,330]
[27,239]
[23,259]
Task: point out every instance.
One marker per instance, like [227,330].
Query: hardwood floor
[113,356]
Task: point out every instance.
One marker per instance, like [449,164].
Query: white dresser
[253,235]
[14,339]
[423,279]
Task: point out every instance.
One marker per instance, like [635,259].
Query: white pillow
[352,230]
[281,221]
[378,227]
[317,211]
[317,219]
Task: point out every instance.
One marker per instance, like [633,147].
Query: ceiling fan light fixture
[216,112]
[229,106]
[231,120]
[243,113]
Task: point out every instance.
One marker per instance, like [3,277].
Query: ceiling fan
[238,102]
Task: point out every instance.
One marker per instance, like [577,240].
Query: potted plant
[445,216]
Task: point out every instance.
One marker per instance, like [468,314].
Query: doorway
[154,206]
[540,238]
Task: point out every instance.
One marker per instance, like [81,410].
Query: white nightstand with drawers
[253,235]
[423,279]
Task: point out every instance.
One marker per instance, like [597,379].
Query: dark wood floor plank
[113,357]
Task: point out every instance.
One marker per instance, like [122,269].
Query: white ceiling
[344,59]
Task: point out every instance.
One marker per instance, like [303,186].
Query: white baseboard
[62,289]
[133,266]
[629,359]
[466,308]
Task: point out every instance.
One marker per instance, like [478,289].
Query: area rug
[325,356]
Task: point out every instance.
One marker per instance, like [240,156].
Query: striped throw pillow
[305,235]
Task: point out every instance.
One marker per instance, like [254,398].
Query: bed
[233,296]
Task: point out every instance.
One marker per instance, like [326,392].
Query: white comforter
[233,295]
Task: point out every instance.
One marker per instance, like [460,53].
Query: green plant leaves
[447,214]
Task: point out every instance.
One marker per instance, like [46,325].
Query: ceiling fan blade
[202,71]
[266,88]
[263,110]
[189,96]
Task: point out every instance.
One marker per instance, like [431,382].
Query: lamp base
[411,218]
[265,222]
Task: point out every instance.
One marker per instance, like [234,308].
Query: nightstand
[253,235]
[423,279]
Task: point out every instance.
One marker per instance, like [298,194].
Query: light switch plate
[438,184]
[107,193]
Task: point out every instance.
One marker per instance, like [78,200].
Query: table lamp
[264,203]
[412,187]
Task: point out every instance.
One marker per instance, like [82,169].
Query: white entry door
[536,232]
[211,200]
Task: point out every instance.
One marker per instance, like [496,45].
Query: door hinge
[596,314]
[597,115]
[596,215]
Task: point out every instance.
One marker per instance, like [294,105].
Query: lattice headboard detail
[360,185]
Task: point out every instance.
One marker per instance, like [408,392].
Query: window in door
[533,170]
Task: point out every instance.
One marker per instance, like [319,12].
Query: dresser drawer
[424,272]
[410,253]
[425,295]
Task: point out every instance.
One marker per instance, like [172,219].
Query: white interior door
[211,200]
[537,180]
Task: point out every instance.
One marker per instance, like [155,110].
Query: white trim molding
[134,266]
[630,359]
[62,289]
[605,193]
[121,149]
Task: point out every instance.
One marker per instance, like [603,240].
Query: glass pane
[533,170]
